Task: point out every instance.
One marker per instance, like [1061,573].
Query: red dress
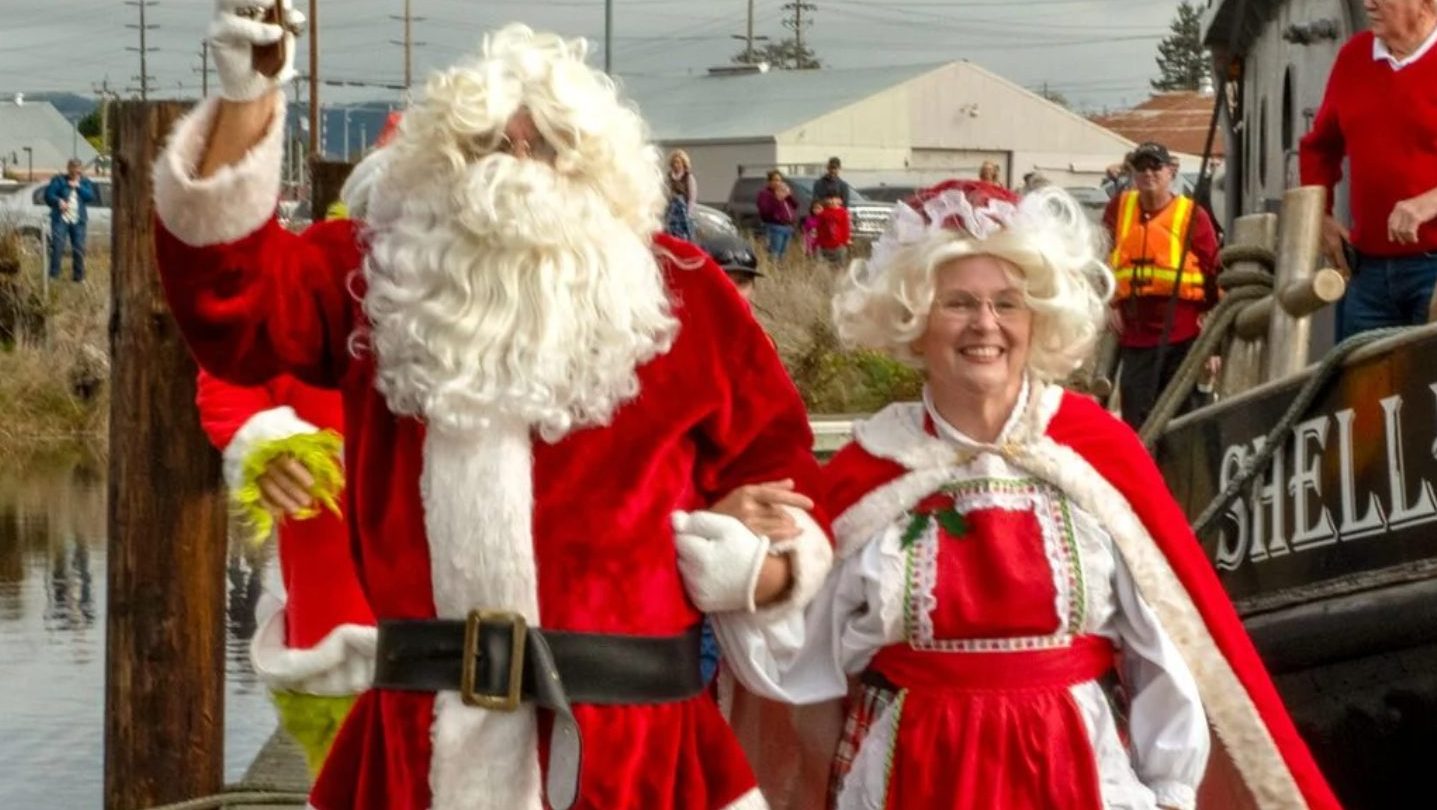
[982,593]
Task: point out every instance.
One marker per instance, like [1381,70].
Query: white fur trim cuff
[1175,795]
[752,800]
[265,426]
[232,203]
[811,555]
[340,664]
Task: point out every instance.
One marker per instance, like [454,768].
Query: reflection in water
[52,644]
[70,604]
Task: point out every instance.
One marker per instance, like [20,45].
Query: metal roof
[38,125]
[754,106]
[1177,120]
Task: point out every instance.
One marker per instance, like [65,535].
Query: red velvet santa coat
[1260,760]
[590,514]
[320,638]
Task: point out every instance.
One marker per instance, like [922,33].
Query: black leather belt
[496,662]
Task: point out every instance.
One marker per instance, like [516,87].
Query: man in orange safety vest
[1148,225]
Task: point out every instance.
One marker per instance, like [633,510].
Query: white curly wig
[883,303]
[498,285]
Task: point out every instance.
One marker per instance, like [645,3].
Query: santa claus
[533,383]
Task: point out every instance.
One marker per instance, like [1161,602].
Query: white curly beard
[506,289]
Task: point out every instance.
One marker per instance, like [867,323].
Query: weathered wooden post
[326,178]
[1242,367]
[164,647]
[1299,246]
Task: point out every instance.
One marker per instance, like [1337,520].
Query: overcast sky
[1096,52]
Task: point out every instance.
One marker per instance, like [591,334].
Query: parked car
[711,223]
[869,217]
[25,210]
[889,194]
[1093,199]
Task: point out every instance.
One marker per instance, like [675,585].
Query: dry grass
[792,302]
[54,361]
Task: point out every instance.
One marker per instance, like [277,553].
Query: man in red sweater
[1377,114]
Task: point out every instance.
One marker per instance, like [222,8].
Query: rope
[1277,438]
[1232,254]
[1242,286]
[232,795]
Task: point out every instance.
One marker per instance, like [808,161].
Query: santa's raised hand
[238,33]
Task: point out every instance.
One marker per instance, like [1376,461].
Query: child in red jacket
[835,232]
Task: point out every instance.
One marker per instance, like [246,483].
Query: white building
[33,134]
[911,125]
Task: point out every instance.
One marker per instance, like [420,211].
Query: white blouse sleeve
[806,657]
[1166,721]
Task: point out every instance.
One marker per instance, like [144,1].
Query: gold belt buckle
[509,701]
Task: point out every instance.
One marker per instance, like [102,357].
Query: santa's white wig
[499,285]
[1049,245]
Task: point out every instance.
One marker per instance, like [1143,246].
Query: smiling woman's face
[979,329]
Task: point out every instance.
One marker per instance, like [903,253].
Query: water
[52,645]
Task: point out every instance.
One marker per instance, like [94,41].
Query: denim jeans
[778,236]
[708,652]
[1387,291]
[75,233]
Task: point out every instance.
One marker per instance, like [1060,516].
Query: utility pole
[797,25]
[749,38]
[204,68]
[609,37]
[314,77]
[407,43]
[106,96]
[144,48]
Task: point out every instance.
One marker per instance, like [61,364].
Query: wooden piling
[164,650]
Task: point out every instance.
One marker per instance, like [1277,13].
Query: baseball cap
[732,254]
[1151,150]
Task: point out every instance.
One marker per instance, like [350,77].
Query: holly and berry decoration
[941,508]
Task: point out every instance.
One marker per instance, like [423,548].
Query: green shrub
[793,304]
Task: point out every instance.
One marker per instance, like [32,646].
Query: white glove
[720,560]
[234,34]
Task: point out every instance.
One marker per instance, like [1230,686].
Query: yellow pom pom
[313,721]
[318,452]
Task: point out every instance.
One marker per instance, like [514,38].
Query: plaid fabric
[869,704]
[677,221]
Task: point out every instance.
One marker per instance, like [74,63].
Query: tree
[89,126]
[1054,96]
[783,55]
[1181,60]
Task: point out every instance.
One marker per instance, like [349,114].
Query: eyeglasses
[537,149]
[1148,167]
[966,308]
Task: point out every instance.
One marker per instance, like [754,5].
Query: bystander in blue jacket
[69,196]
